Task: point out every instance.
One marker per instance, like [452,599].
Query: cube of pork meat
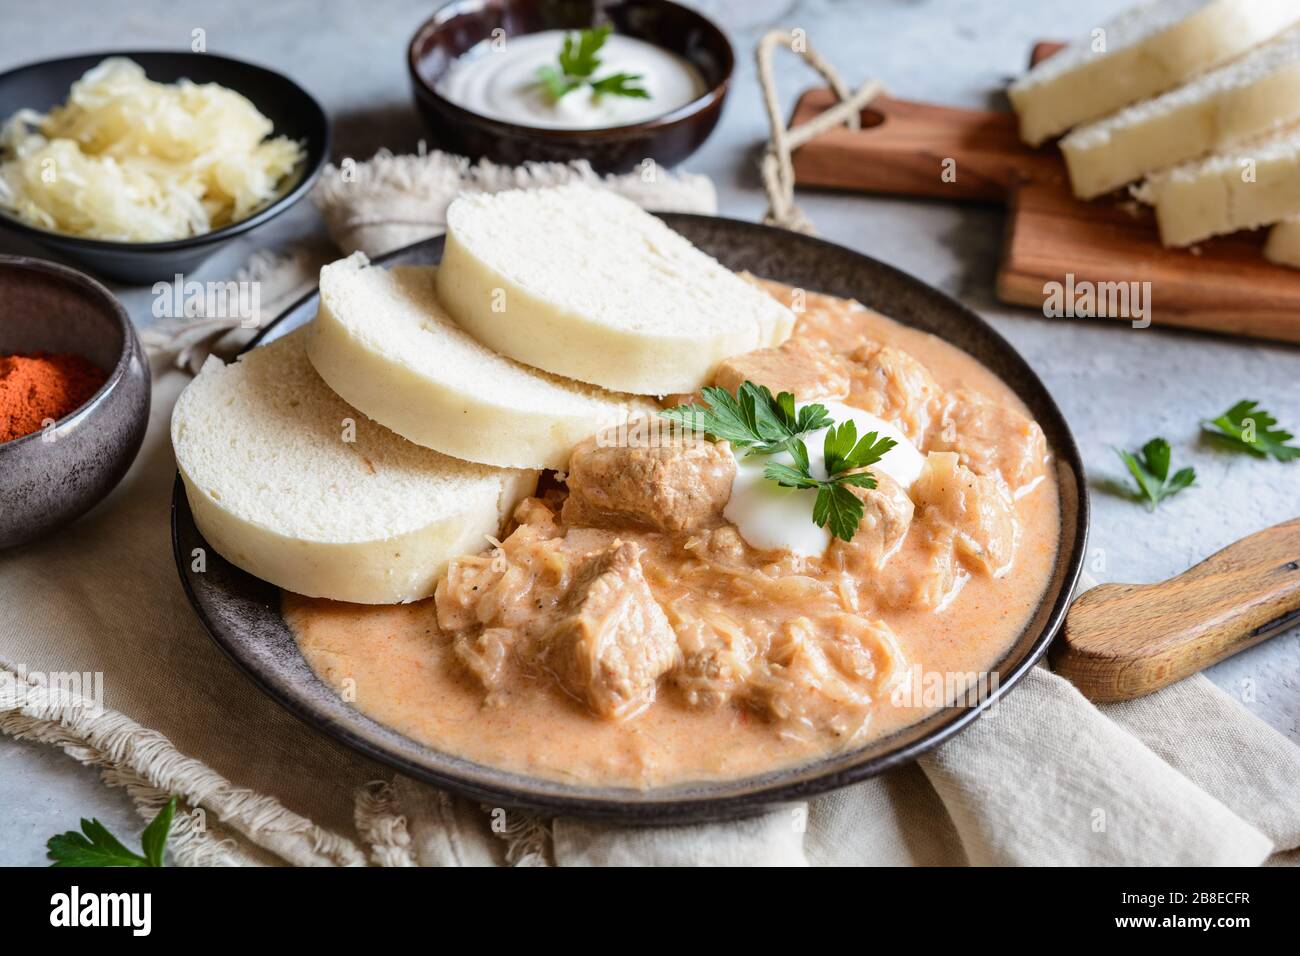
[492,589]
[976,510]
[677,487]
[990,439]
[886,516]
[613,642]
[796,367]
[891,384]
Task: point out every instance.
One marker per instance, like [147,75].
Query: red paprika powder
[40,386]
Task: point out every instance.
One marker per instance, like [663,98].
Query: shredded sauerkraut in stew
[133,160]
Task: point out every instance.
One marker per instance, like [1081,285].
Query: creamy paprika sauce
[638,627]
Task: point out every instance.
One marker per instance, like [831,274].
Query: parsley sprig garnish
[753,419]
[1150,469]
[578,61]
[95,846]
[846,458]
[764,424]
[1246,427]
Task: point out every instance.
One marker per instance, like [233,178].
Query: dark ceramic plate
[287,105]
[242,612]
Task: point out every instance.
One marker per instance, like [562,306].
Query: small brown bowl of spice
[74,396]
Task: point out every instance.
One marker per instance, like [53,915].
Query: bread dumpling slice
[383,342]
[1143,51]
[292,484]
[1254,96]
[583,283]
[1214,196]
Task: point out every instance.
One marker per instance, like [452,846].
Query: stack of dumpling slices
[353,458]
[1194,103]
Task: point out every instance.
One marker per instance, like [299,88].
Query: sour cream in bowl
[490,82]
[502,81]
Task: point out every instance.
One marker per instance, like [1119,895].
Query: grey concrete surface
[1116,385]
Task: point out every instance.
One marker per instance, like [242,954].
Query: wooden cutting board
[904,148]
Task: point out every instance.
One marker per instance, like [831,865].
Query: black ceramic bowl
[666,139]
[51,476]
[288,106]
[242,613]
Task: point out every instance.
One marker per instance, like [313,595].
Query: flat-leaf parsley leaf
[1150,469]
[95,846]
[846,460]
[578,61]
[1248,428]
[752,419]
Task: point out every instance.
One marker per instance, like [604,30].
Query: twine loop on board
[777,166]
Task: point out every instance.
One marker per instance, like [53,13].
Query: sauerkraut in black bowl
[264,159]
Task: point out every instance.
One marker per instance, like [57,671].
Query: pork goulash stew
[630,631]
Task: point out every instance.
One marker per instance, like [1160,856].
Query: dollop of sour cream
[498,79]
[770,516]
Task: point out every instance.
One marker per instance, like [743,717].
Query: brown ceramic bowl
[666,139]
[52,476]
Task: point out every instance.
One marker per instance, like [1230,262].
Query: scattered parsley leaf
[578,61]
[1246,427]
[154,839]
[1150,469]
[95,846]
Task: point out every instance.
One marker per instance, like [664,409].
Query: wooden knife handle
[1122,641]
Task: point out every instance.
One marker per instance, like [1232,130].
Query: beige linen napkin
[1184,776]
